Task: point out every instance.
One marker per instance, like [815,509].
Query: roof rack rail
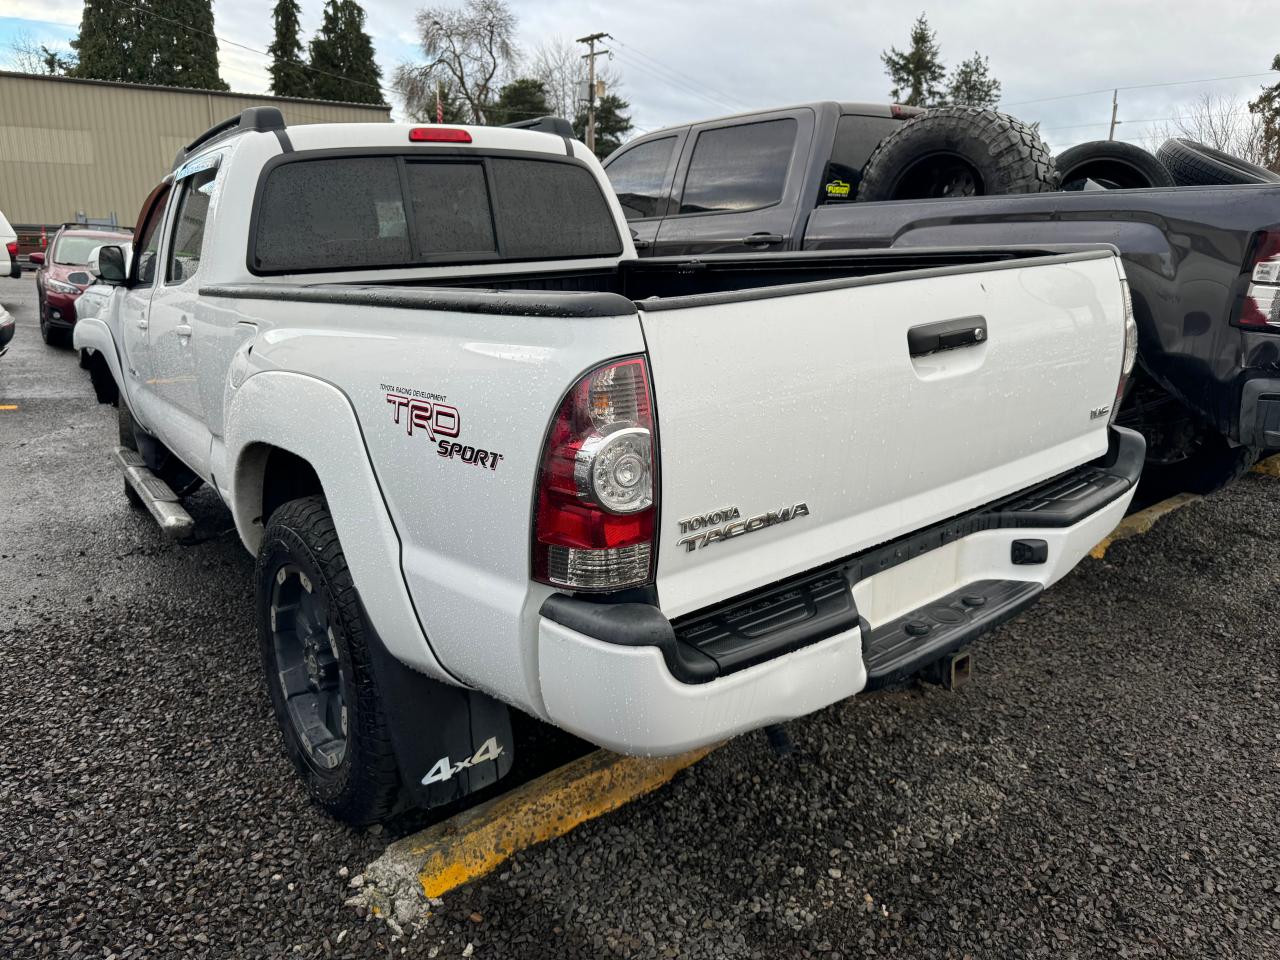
[261,119]
[557,125]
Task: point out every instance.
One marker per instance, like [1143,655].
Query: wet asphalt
[1108,785]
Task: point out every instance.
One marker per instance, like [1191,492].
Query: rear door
[738,185]
[641,176]
[767,401]
[175,341]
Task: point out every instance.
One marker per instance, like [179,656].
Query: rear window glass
[856,138]
[364,212]
[552,210]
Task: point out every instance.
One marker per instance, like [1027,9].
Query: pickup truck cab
[487,458]
[1203,262]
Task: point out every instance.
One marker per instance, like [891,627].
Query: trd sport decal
[421,411]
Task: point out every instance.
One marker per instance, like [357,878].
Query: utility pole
[1115,105]
[590,57]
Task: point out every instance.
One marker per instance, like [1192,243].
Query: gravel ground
[1107,786]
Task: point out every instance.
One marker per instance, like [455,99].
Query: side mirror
[36,258]
[107,263]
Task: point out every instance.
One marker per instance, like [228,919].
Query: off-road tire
[1007,154]
[365,785]
[1119,166]
[1196,165]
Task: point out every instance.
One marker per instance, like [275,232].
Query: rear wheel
[312,634]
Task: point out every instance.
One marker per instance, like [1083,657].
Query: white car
[9,266]
[486,457]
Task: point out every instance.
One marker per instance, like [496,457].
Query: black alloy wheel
[309,671]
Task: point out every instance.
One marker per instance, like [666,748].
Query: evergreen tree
[971,84]
[188,53]
[612,123]
[1267,106]
[107,47]
[522,99]
[917,72]
[342,56]
[289,76]
[169,43]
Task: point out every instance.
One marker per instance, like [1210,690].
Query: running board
[895,650]
[156,495]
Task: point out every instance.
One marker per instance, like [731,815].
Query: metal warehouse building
[72,149]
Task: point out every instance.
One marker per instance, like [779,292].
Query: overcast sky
[681,61]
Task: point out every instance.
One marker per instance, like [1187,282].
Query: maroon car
[62,276]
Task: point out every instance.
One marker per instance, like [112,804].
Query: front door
[641,177]
[135,309]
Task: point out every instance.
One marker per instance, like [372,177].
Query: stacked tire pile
[973,151]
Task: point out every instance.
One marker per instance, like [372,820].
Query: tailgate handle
[946,335]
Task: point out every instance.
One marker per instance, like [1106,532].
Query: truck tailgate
[805,407]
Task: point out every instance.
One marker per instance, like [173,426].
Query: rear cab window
[368,212]
[856,137]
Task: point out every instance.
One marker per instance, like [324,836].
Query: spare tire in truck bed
[958,152]
[1196,165]
[1110,164]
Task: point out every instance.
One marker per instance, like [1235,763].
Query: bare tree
[27,56]
[1222,122]
[559,66]
[470,51]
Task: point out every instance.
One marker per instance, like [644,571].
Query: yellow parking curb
[471,844]
[1135,525]
[1269,467]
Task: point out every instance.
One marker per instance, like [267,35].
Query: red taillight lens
[597,488]
[1260,304]
[439,135]
[12,247]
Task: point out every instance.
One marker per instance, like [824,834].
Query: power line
[666,79]
[719,95]
[1078,126]
[1138,86]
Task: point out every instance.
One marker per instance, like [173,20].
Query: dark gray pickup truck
[1203,262]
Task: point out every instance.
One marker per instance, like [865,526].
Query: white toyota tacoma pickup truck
[487,458]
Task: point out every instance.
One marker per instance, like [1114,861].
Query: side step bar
[155,494]
[895,650]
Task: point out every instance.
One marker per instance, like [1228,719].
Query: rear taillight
[597,487]
[12,247]
[1130,347]
[1260,306]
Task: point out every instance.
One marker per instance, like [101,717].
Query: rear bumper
[1260,413]
[625,677]
[6,329]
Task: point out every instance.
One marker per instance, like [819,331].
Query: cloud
[726,57]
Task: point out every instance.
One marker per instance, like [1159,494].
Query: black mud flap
[449,741]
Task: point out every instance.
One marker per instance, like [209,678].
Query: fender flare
[314,420]
[93,333]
